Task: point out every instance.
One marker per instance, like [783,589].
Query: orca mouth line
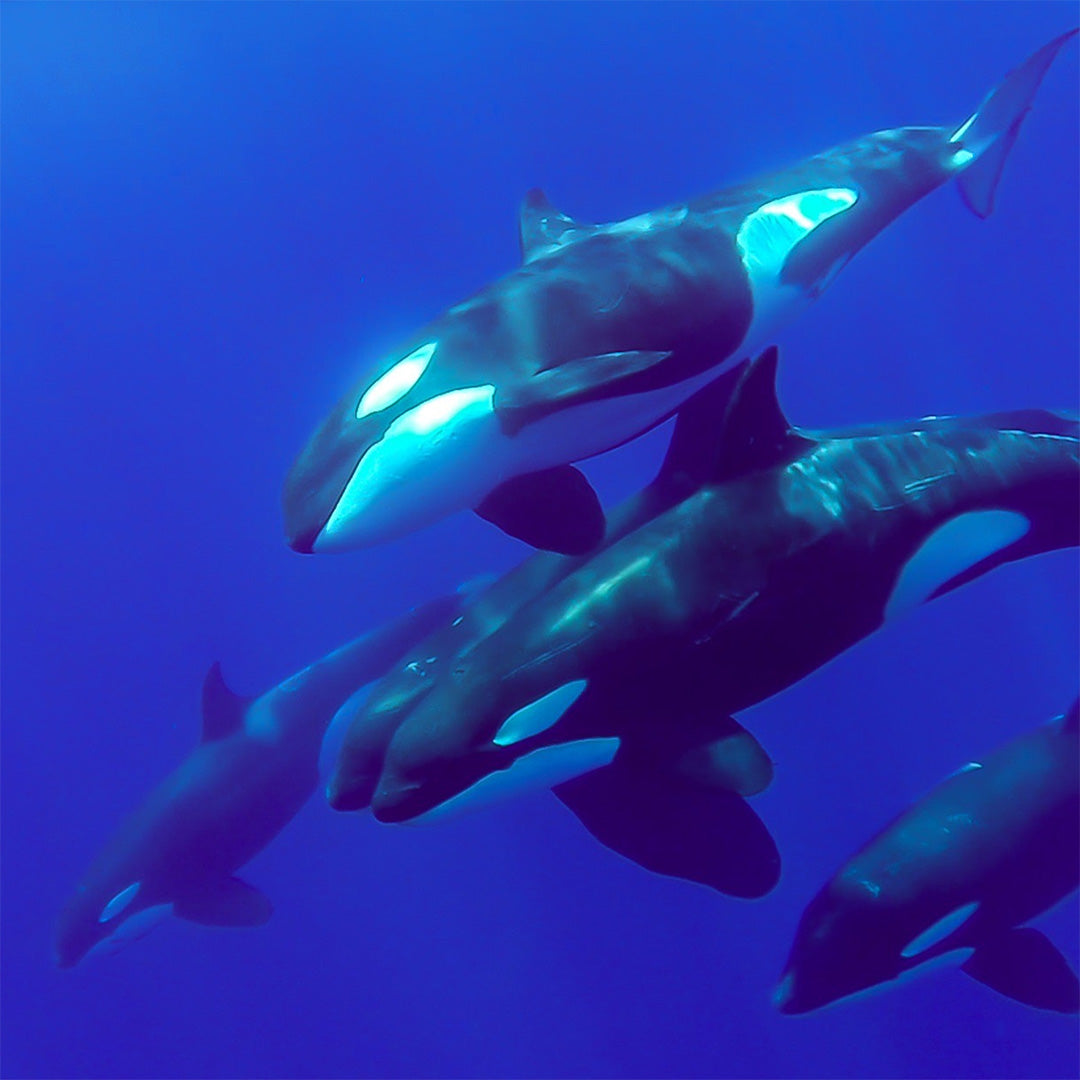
[398,811]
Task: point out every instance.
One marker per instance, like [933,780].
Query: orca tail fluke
[984,140]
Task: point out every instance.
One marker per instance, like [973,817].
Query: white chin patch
[390,388]
[539,715]
[956,546]
[119,903]
[939,931]
[536,771]
[138,926]
[437,458]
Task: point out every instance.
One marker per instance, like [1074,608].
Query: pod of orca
[609,665]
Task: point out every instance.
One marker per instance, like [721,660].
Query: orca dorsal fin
[755,433]
[222,709]
[691,454]
[542,228]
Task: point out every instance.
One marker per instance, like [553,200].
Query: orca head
[843,945]
[459,755]
[100,919]
[407,446]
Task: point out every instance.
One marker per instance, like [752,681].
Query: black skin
[727,597]
[234,793]
[669,295]
[361,760]
[678,288]
[1006,835]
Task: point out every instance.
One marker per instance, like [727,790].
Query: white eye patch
[939,931]
[119,902]
[397,382]
[539,715]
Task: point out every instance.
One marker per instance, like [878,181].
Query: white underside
[449,453]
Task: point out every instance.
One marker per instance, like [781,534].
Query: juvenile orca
[795,547]
[254,768]
[992,847]
[606,330]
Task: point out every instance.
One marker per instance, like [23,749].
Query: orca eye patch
[391,387]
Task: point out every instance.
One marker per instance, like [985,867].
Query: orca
[792,547]
[254,768]
[956,876]
[606,330]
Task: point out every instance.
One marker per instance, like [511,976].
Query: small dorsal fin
[542,227]
[755,433]
[222,709]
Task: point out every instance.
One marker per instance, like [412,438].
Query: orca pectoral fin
[677,828]
[575,382]
[554,510]
[1024,965]
[731,761]
[224,902]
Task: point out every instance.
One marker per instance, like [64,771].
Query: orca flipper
[226,901]
[677,828]
[732,760]
[553,509]
[1023,965]
[575,382]
[990,133]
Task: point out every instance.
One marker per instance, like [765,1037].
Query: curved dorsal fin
[725,431]
[542,228]
[691,454]
[755,433]
[222,710]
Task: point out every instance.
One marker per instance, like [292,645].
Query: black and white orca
[606,330]
[254,768]
[956,876]
[785,548]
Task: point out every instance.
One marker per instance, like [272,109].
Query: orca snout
[308,499]
[786,997]
[316,484]
[397,801]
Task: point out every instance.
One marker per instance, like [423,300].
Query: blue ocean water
[214,216]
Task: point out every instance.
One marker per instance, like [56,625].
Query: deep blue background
[214,216]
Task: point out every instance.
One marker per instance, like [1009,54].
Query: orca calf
[254,768]
[957,874]
[792,547]
[606,330]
